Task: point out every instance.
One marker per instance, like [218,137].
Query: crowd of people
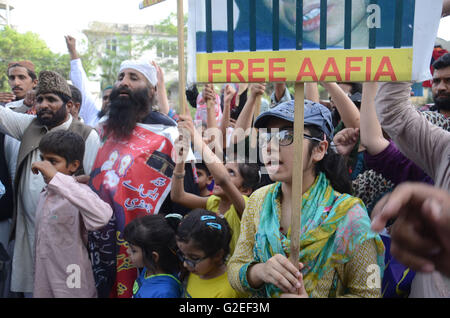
[137,200]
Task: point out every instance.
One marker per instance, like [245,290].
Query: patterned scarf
[331,232]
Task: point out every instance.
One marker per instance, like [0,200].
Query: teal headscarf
[331,232]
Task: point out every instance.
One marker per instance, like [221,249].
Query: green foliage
[169,25]
[15,46]
[109,58]
[120,47]
[165,47]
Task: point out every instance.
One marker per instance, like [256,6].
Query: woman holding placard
[339,254]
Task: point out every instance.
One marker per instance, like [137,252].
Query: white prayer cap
[143,67]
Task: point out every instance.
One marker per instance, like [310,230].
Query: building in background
[112,43]
[5,9]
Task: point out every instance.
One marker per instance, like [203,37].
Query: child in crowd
[234,182]
[66,211]
[152,248]
[205,179]
[203,240]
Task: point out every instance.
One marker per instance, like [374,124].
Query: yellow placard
[383,65]
[148,3]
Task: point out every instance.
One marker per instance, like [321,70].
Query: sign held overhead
[355,40]
[147,3]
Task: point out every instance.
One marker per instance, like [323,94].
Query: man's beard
[125,112]
[442,102]
[57,118]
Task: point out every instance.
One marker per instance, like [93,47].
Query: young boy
[66,211]
[204,179]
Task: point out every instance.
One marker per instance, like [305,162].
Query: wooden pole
[297,175]
[254,131]
[211,121]
[257,107]
[181,64]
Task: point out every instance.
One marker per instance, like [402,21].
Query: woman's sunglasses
[283,137]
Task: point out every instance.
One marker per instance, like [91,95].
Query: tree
[118,49]
[169,48]
[110,44]
[15,46]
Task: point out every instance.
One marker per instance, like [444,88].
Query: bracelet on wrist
[179,175]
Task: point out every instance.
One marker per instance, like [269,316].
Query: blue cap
[315,114]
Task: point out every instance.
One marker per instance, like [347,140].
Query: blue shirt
[157,286]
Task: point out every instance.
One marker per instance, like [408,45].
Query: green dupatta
[331,232]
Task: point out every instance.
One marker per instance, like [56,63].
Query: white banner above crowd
[338,40]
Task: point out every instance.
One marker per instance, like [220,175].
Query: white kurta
[88,111]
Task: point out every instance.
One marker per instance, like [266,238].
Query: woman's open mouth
[311,17]
[272,165]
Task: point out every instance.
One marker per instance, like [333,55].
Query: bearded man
[440,89]
[53,98]
[132,172]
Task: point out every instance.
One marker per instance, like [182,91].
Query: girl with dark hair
[152,248]
[233,181]
[332,164]
[339,253]
[203,240]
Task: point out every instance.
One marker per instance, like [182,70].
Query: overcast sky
[52,19]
